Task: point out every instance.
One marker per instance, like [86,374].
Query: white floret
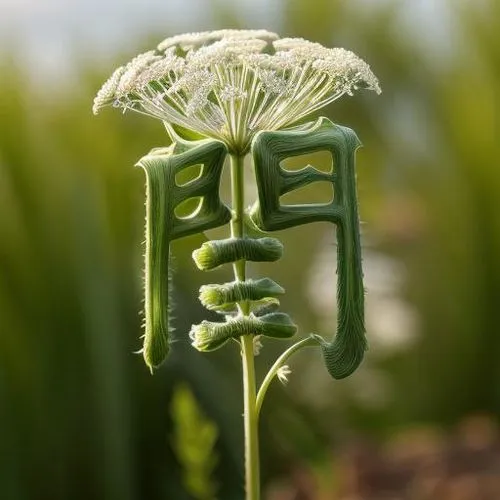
[232,93]
[133,69]
[107,92]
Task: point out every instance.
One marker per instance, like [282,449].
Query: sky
[45,33]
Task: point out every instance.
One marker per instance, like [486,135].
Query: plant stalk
[252,467]
[307,342]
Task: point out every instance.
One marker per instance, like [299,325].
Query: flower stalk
[250,415]
[278,365]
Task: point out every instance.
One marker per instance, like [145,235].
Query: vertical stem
[252,472]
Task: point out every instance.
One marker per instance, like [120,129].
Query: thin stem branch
[307,342]
[250,415]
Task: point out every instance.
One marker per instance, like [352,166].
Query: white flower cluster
[229,84]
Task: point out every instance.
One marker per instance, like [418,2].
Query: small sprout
[257,345]
[283,373]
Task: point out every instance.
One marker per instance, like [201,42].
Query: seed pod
[214,253]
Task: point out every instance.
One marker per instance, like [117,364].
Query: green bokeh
[80,416]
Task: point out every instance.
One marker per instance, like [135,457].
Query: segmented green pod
[215,253]
[345,352]
[214,296]
[258,307]
[163,225]
[266,306]
[209,336]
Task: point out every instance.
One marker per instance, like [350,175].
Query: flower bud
[214,253]
[214,296]
[209,336]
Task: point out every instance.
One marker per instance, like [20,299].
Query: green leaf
[345,352]
[163,225]
[194,443]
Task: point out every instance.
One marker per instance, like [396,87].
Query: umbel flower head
[230,84]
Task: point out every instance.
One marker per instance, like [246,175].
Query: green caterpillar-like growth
[208,336]
[163,225]
[259,293]
[214,296]
[215,253]
[345,352]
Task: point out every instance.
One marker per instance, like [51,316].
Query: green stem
[250,415]
[307,342]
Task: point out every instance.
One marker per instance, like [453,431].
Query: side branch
[307,342]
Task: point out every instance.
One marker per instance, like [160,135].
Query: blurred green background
[80,416]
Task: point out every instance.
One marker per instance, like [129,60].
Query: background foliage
[80,416]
